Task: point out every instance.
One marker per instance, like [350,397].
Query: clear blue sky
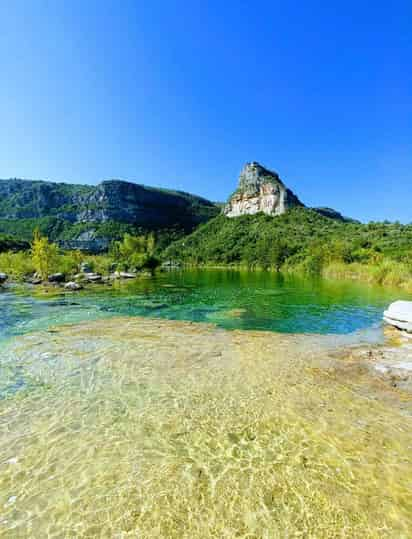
[181,93]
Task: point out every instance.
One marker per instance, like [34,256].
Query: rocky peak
[260,190]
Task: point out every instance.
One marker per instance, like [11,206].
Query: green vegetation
[303,241]
[24,228]
[18,265]
[8,243]
[108,211]
[299,241]
[135,253]
[132,253]
[44,255]
[59,230]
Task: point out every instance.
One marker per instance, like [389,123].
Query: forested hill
[108,209]
[299,236]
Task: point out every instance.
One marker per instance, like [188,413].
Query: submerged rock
[399,315]
[72,285]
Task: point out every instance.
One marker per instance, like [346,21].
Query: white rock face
[399,314]
[260,190]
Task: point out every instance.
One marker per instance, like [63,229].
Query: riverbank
[153,428]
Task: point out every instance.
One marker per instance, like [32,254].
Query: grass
[386,273]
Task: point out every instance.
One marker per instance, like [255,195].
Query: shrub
[18,265]
[44,255]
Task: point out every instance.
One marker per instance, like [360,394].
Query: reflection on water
[155,429]
[230,299]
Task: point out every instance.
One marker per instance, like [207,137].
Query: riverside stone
[399,315]
[72,285]
[56,278]
[3,278]
[92,277]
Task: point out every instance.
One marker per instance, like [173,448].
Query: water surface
[119,426]
[229,299]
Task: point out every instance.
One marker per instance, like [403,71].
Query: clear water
[137,427]
[229,299]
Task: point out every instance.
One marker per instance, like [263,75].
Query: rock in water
[56,278]
[260,190]
[399,314]
[72,285]
[3,278]
[93,277]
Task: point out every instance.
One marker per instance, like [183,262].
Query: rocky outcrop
[93,246]
[260,190]
[399,315]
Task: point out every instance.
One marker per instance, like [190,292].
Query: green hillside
[106,211]
[300,239]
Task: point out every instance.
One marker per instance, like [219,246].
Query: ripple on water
[149,428]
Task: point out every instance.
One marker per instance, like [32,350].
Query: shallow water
[141,427]
[229,299]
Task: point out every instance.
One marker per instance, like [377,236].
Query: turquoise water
[145,429]
[229,299]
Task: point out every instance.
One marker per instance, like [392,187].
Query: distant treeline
[7,243]
[304,241]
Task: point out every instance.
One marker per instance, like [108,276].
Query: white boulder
[399,314]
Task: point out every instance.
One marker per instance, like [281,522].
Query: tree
[44,255]
[136,252]
[278,255]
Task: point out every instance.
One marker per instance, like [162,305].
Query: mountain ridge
[81,212]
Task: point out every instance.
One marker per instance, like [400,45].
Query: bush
[18,265]
[135,252]
[44,255]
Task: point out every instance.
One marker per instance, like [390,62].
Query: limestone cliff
[260,190]
[113,200]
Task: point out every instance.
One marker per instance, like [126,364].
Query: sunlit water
[137,427]
[229,299]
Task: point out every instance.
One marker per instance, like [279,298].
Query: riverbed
[131,426]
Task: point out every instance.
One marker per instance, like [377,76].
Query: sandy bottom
[156,429]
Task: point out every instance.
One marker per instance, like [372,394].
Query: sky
[180,94]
